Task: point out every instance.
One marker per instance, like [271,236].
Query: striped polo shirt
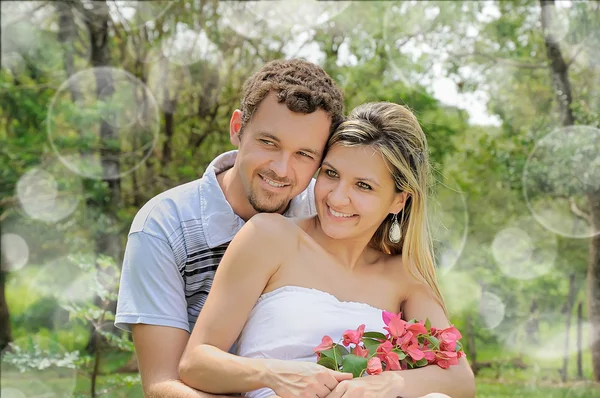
[174,247]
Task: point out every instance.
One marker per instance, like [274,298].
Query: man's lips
[273,183]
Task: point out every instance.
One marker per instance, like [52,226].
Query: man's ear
[235,126]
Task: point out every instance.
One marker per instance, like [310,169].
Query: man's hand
[290,379]
[385,385]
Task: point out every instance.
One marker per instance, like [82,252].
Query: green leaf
[371,345]
[427,324]
[434,341]
[354,364]
[401,354]
[340,352]
[421,362]
[459,346]
[327,362]
[374,335]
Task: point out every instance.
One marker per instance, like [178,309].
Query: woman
[283,284]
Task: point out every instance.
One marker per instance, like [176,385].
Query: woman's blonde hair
[394,132]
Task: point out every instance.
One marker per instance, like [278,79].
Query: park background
[104,104]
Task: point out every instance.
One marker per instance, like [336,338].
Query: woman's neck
[352,253]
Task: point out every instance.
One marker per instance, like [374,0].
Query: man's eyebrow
[315,152]
[270,136]
[370,180]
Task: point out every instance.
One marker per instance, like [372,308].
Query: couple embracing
[287,258]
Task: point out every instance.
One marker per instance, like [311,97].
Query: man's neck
[234,192]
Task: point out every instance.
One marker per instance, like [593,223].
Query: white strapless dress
[289,322]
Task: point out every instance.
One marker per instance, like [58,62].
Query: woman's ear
[399,202]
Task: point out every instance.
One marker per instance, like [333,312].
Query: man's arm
[159,349]
[152,305]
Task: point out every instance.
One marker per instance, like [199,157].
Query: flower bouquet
[407,345]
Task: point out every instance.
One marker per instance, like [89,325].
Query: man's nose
[280,166]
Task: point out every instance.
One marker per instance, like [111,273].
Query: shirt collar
[219,222]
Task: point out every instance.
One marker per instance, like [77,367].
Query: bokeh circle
[560,174]
[254,19]
[109,129]
[49,192]
[491,310]
[15,252]
[449,220]
[524,250]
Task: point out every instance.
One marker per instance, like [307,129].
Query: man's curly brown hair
[304,87]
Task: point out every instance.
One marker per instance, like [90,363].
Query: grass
[60,387]
[492,389]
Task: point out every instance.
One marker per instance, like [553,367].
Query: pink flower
[385,354]
[396,327]
[392,361]
[450,335]
[374,366]
[353,336]
[429,356]
[446,358]
[326,343]
[406,339]
[417,328]
[385,347]
[361,352]
[448,338]
[388,316]
[414,352]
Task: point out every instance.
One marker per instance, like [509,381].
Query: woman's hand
[385,385]
[290,379]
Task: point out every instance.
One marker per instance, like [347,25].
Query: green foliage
[366,49]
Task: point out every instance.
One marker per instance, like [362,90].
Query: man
[288,110]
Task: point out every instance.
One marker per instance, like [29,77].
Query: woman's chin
[336,233]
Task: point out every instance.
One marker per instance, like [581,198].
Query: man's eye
[267,142]
[331,173]
[304,154]
[362,185]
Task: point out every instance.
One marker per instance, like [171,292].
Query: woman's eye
[331,173]
[362,185]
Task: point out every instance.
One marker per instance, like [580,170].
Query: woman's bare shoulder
[273,229]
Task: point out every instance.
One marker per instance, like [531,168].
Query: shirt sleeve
[152,291]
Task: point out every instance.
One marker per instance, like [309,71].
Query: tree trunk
[593,277]
[97,22]
[567,310]
[579,341]
[559,71]
[532,327]
[167,147]
[5,331]
[67,32]
[168,105]
[108,243]
[471,345]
